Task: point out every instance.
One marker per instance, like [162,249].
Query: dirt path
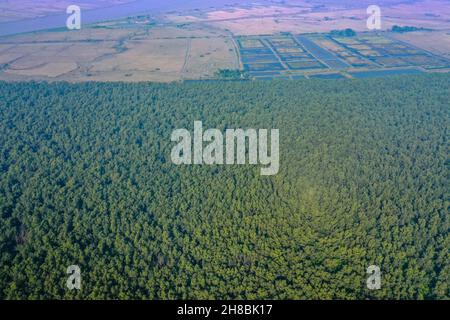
[186,57]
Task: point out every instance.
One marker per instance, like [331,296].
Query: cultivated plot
[333,56]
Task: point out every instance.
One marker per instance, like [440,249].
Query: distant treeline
[343,33]
[408,29]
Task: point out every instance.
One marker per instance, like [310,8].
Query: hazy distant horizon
[56,16]
[53,21]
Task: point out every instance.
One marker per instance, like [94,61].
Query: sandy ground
[206,56]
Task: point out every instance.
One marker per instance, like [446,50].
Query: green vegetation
[86,179]
[343,33]
[407,29]
[229,74]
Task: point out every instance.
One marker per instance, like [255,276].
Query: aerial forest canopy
[86,179]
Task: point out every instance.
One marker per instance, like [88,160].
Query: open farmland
[303,16]
[437,42]
[132,49]
[267,40]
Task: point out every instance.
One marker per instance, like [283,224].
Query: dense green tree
[86,179]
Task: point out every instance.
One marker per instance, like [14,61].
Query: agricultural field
[133,49]
[437,42]
[387,52]
[331,57]
[286,40]
[303,16]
